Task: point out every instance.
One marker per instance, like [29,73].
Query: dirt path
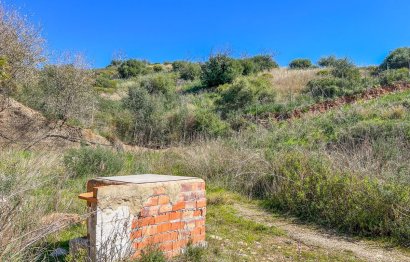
[313,237]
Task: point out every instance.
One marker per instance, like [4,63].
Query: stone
[58,252]
[77,245]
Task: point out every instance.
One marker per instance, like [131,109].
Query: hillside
[305,163]
[25,128]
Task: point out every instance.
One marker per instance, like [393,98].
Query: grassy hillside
[345,169]
[326,143]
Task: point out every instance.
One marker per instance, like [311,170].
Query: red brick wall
[171,226]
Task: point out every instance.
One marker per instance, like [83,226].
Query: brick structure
[130,214]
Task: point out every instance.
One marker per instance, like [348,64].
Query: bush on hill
[158,83]
[157,68]
[300,64]
[399,58]
[327,61]
[220,69]
[133,68]
[245,92]
[264,62]
[187,70]
[391,76]
[344,79]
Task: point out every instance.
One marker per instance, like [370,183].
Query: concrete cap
[144,178]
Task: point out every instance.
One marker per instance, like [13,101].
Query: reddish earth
[324,106]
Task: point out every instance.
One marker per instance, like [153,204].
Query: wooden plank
[89,196]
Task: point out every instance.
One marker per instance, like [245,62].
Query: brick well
[132,214]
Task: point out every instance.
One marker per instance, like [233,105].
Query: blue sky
[166,30]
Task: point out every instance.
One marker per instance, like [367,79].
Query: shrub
[105,82]
[344,79]
[307,187]
[187,70]
[207,122]
[193,254]
[152,255]
[245,92]
[88,161]
[132,68]
[327,87]
[158,68]
[219,70]
[248,66]
[328,61]
[158,83]
[344,68]
[158,119]
[399,58]
[67,89]
[300,64]
[391,76]
[264,62]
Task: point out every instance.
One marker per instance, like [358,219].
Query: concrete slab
[144,178]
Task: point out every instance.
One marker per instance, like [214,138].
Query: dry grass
[29,186]
[290,82]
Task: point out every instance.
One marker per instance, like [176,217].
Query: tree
[263,62]
[67,88]
[344,68]
[220,69]
[300,64]
[132,68]
[21,50]
[187,70]
[327,61]
[399,58]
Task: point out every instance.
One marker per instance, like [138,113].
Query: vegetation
[187,70]
[300,64]
[132,68]
[346,168]
[327,61]
[344,79]
[399,58]
[219,70]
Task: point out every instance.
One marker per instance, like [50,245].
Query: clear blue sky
[166,30]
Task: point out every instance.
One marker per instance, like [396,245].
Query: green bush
[158,83]
[105,82]
[220,69]
[187,70]
[327,87]
[158,118]
[327,61]
[208,123]
[245,92]
[389,77]
[399,58]
[193,254]
[344,68]
[248,66]
[344,79]
[158,68]
[263,62]
[88,161]
[300,64]
[133,68]
[152,255]
[307,187]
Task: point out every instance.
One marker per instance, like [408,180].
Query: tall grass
[29,188]
[290,83]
